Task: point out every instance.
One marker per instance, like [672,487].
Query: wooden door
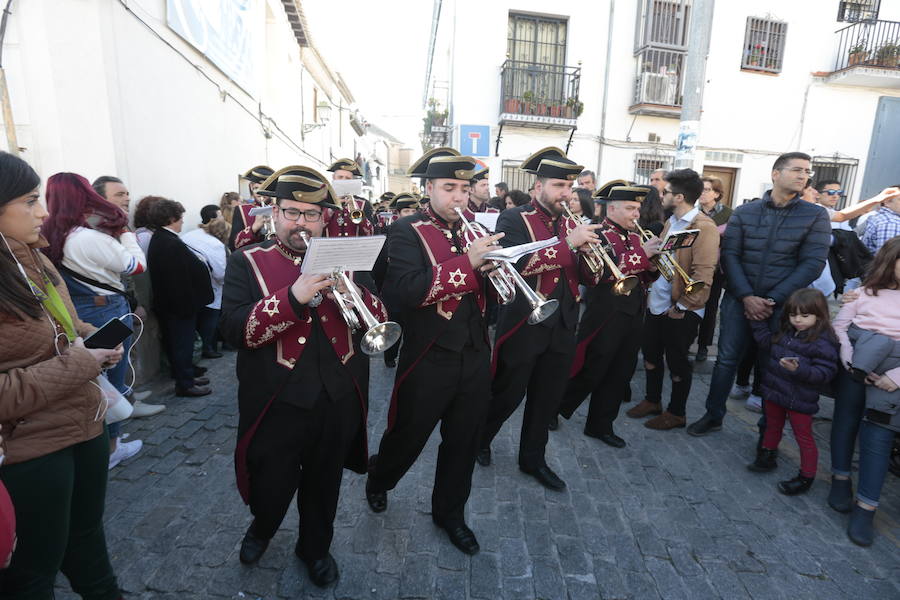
[727,175]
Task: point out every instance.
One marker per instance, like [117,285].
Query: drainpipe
[10,126]
[609,37]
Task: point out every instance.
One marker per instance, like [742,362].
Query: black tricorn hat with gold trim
[482,174]
[552,163]
[627,193]
[451,167]
[301,184]
[387,197]
[258,174]
[345,164]
[602,192]
[419,167]
[405,200]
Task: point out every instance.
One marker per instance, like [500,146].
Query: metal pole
[9,125]
[694,77]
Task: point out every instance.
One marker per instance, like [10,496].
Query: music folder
[326,255]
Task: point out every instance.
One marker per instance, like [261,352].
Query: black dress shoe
[193,392]
[483,457]
[199,371]
[546,477]
[461,536]
[390,363]
[252,548]
[322,572]
[201,380]
[212,354]
[702,355]
[795,486]
[610,439]
[553,425]
[705,425]
[377,500]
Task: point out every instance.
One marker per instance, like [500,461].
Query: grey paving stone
[484,581]
[417,576]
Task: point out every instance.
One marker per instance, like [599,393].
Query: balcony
[867,54]
[539,95]
[658,84]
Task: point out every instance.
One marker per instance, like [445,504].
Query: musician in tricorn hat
[245,228]
[354,217]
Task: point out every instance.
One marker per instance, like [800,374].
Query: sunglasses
[833,192]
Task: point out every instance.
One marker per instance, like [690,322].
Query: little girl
[872,316]
[803,356]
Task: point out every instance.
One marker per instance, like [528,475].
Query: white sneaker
[754,403]
[739,392]
[124,451]
[138,396]
[146,410]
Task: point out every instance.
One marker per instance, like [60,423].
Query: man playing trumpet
[246,229]
[303,381]
[354,217]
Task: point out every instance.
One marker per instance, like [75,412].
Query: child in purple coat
[803,355]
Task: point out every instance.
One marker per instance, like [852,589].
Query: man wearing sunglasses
[830,194]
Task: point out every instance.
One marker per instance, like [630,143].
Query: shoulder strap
[88,280]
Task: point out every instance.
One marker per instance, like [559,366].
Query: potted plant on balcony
[574,108]
[888,55]
[528,97]
[857,54]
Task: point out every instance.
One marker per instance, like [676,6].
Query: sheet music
[325,255]
[489,220]
[261,210]
[514,253]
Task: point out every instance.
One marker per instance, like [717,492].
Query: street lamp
[323,115]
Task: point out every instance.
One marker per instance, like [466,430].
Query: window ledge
[760,71]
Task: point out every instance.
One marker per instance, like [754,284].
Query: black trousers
[303,451]
[750,363]
[450,387]
[711,311]
[207,327]
[527,366]
[671,339]
[609,364]
[178,342]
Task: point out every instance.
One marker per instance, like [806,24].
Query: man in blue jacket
[772,247]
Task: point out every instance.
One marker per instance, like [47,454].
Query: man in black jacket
[181,288]
[771,248]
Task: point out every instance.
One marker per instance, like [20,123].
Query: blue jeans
[208,327]
[116,306]
[849,404]
[734,337]
[875,444]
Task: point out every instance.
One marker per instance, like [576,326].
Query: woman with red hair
[92,248]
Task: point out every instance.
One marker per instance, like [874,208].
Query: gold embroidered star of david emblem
[271,306]
[634,259]
[550,253]
[457,278]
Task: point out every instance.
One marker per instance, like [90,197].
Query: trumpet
[378,336]
[669,267]
[355,211]
[267,231]
[505,278]
[596,257]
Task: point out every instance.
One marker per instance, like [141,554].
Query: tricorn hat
[345,164]
[451,167]
[627,193]
[482,174]
[405,200]
[301,184]
[418,168]
[602,192]
[551,162]
[257,174]
[387,197]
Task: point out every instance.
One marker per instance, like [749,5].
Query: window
[764,45]
[516,178]
[536,40]
[646,163]
[853,11]
[664,23]
[661,47]
[839,169]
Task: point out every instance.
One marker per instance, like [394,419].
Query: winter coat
[818,364]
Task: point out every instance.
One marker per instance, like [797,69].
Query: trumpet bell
[694,286]
[380,337]
[542,311]
[624,286]
[356,216]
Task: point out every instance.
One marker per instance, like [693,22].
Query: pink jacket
[880,314]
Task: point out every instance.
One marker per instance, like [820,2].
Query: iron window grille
[663,24]
[646,163]
[853,11]
[516,178]
[838,169]
[764,41]
[536,39]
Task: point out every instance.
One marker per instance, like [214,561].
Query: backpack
[848,257]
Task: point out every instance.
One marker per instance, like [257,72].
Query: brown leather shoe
[643,409]
[665,421]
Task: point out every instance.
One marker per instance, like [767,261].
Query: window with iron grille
[764,45]
[536,39]
[836,168]
[646,163]
[853,11]
[516,178]
[663,24]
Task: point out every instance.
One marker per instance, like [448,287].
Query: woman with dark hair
[92,248]
[652,214]
[143,230]
[582,205]
[516,198]
[181,288]
[52,412]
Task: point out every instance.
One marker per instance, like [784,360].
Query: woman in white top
[208,243]
[92,248]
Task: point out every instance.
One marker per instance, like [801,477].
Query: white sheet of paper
[489,220]
[324,255]
[514,253]
[261,210]
[347,187]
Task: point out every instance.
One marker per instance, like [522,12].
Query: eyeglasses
[667,191]
[833,192]
[799,170]
[293,214]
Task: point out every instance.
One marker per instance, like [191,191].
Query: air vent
[652,137]
[724,157]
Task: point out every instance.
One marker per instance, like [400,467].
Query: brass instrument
[596,257]
[669,267]
[379,336]
[356,213]
[505,278]
[267,231]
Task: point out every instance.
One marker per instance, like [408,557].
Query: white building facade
[606,79]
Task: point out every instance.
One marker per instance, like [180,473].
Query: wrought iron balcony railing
[869,44]
[540,92]
[659,80]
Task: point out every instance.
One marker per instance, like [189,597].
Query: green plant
[528,96]
[888,50]
[858,48]
[576,105]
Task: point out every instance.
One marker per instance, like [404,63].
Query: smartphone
[113,333]
[793,358]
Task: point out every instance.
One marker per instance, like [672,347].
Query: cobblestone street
[670,516]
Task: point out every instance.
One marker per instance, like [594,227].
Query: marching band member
[303,381]
[533,358]
[341,223]
[480,193]
[244,228]
[609,334]
[444,371]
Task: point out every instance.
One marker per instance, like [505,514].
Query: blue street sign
[475,140]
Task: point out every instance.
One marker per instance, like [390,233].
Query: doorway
[728,177]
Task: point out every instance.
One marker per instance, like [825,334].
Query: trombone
[505,278]
[669,267]
[596,257]
[379,336]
